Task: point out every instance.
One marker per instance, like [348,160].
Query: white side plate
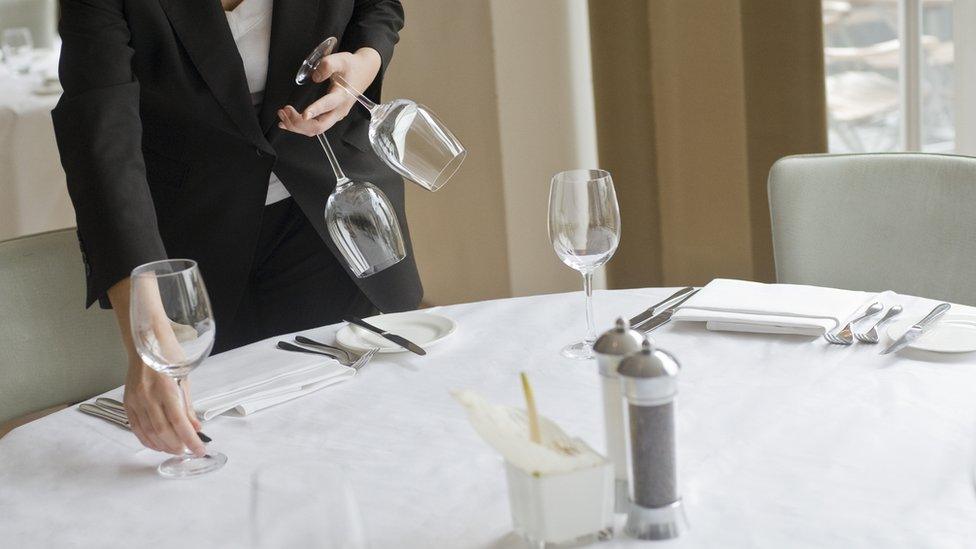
[954,333]
[424,329]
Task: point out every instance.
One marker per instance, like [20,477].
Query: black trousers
[295,283]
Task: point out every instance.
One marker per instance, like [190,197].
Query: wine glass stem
[588,290]
[179,390]
[341,178]
[363,100]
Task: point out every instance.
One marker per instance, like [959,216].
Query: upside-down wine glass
[584,227]
[361,222]
[406,135]
[359,216]
[163,294]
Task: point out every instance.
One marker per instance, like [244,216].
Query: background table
[784,441]
[33,195]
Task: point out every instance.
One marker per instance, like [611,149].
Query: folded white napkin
[738,305]
[259,375]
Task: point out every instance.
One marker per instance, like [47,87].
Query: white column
[543,84]
[964,67]
[910,23]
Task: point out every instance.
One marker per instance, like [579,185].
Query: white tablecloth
[33,196]
[784,441]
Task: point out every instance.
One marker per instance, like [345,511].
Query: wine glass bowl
[364,227]
[173,331]
[415,143]
[584,228]
[407,136]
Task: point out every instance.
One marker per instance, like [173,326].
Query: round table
[783,441]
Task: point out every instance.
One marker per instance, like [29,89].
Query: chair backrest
[897,221]
[40,16]
[52,350]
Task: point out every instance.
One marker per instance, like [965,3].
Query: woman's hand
[155,414]
[151,401]
[359,69]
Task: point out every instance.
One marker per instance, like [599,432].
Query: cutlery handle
[285,346]
[937,312]
[892,313]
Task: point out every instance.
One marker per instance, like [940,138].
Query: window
[890,75]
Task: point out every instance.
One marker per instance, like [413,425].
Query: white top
[250,23]
[783,441]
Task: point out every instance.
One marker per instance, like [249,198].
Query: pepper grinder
[650,385]
[610,348]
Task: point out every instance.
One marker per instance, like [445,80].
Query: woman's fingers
[292,121]
[337,62]
[185,433]
[137,429]
[335,99]
[164,431]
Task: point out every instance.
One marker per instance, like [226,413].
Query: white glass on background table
[782,441]
[18,49]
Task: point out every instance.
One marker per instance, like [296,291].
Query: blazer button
[258,151]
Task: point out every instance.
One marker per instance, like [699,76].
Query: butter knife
[664,316]
[649,312]
[399,340]
[918,329]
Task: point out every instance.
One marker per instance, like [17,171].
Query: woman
[183,134]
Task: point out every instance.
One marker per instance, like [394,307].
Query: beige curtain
[695,99]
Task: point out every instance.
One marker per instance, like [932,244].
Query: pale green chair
[52,350]
[890,221]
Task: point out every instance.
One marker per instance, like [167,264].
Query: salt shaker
[610,348]
[650,385]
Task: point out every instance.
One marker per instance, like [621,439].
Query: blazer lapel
[202,28]
[292,22]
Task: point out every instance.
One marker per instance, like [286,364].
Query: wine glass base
[191,466]
[578,351]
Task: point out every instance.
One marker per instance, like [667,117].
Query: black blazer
[166,157]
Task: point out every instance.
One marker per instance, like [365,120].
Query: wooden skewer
[534,434]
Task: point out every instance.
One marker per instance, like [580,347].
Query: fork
[846,336]
[871,336]
[361,361]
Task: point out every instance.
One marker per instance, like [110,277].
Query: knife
[399,340]
[644,316]
[664,316]
[117,410]
[918,329]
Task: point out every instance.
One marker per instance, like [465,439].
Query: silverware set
[305,345]
[648,321]
[849,333]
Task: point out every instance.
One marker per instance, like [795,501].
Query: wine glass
[304,504]
[407,136]
[359,216]
[18,49]
[165,295]
[584,227]
[361,222]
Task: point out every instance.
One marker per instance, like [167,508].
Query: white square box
[562,508]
